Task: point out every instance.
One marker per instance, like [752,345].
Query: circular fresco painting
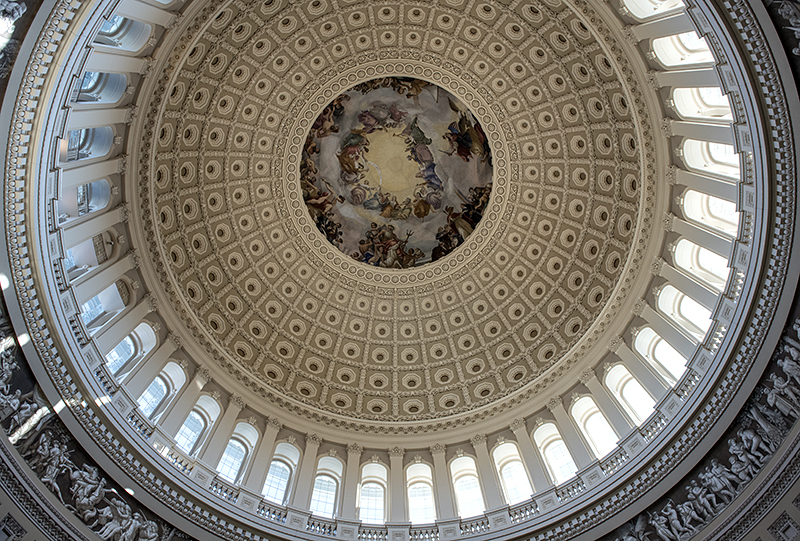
[396,172]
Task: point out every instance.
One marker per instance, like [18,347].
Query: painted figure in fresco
[716,487]
[688,514]
[702,497]
[8,365]
[724,475]
[466,137]
[790,366]
[115,520]
[753,443]
[744,470]
[661,526]
[57,462]
[673,520]
[88,490]
[786,389]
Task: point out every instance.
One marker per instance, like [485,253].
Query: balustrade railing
[320,526]
[224,490]
[613,461]
[523,511]
[372,533]
[424,533]
[271,512]
[569,490]
[474,526]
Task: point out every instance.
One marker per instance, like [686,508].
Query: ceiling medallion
[396,172]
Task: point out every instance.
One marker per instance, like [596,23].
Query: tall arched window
[713,212]
[101,87]
[123,33]
[682,50]
[715,159]
[705,103]
[594,426]
[659,354]
[101,308]
[647,9]
[419,482]
[197,424]
[152,397]
[686,312]
[469,498]
[556,456]
[702,263]
[88,143]
[513,476]
[629,393]
[372,497]
[89,255]
[84,199]
[240,446]
[121,354]
[324,497]
[285,460]
[131,349]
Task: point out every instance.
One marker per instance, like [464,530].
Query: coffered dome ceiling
[266,293]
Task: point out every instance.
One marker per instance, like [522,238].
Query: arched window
[513,477]
[242,442]
[647,9]
[594,426]
[659,354]
[88,255]
[197,424]
[701,263]
[277,481]
[716,159]
[101,308]
[88,143]
[704,103]
[554,451]
[152,397]
[372,500]
[419,482]
[629,393]
[682,50]
[85,199]
[123,33]
[686,312]
[713,212]
[122,353]
[324,497]
[131,349]
[232,459]
[285,460]
[469,498]
[187,436]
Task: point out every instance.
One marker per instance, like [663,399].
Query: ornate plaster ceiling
[270,300]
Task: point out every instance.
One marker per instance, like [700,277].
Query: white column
[668,26]
[305,477]
[707,185]
[689,286]
[141,11]
[114,63]
[669,332]
[173,420]
[530,456]
[223,429]
[716,243]
[77,176]
[109,337]
[257,475]
[75,234]
[351,476]
[606,404]
[572,439]
[487,473]
[92,118]
[138,379]
[397,492]
[697,78]
[715,133]
[444,488]
[643,374]
[100,280]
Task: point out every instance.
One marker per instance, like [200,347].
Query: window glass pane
[152,396]
[323,498]
[639,402]
[723,154]
[670,358]
[91,310]
[603,437]
[713,263]
[696,313]
[277,481]
[722,209]
[190,431]
[371,503]
[69,261]
[420,503]
[515,481]
[560,461]
[112,25]
[692,42]
[712,95]
[231,461]
[89,80]
[119,355]
[468,496]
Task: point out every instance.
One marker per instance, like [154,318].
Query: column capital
[203,374]
[554,403]
[587,375]
[174,340]
[438,449]
[236,401]
[478,440]
[615,344]
[517,424]
[151,301]
[313,439]
[274,423]
[396,452]
[354,449]
[252,421]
